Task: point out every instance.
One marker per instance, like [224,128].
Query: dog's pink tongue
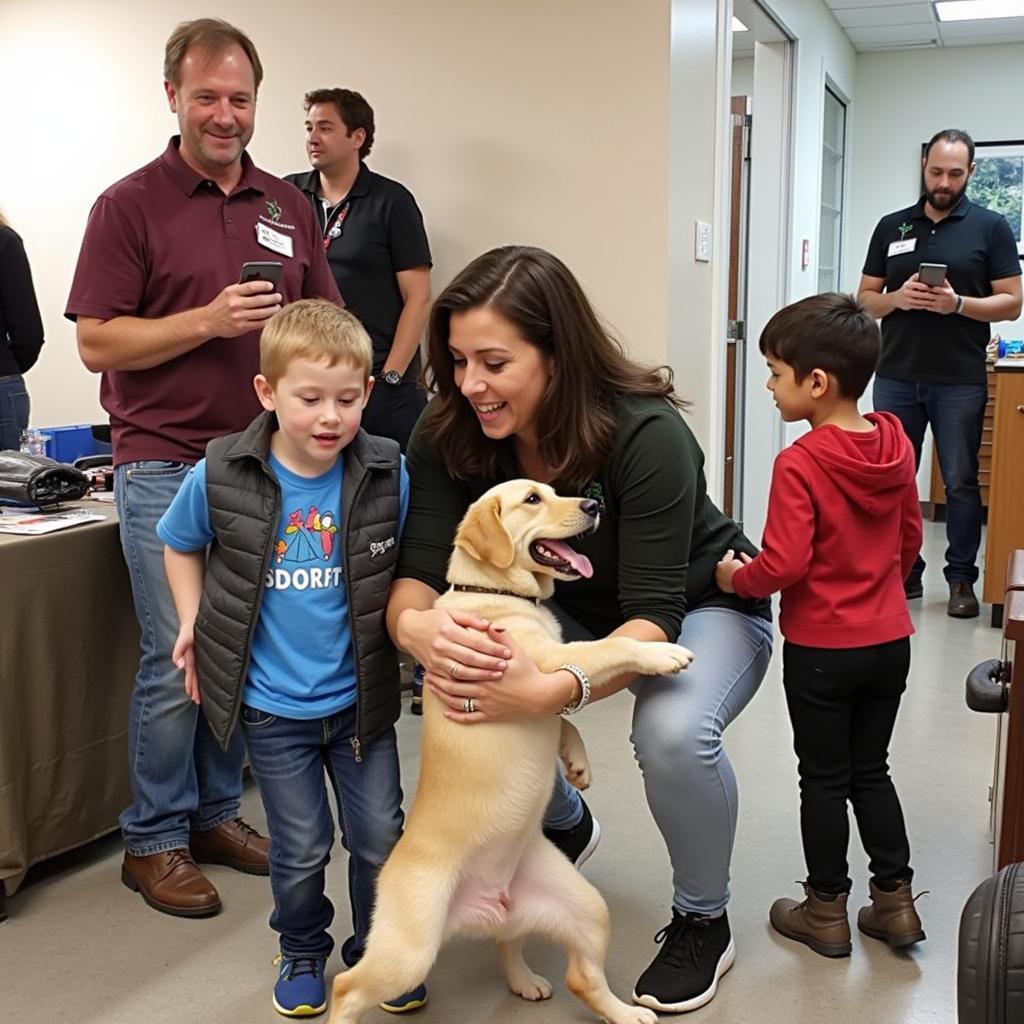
[579,562]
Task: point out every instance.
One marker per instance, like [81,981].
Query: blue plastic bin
[66,444]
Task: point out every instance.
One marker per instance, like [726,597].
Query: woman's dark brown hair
[576,420]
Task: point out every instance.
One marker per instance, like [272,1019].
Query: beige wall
[536,122]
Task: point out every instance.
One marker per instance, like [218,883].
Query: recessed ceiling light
[978,10]
[738,26]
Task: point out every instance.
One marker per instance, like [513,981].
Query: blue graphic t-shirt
[302,664]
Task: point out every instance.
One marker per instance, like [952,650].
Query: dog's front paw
[640,1015]
[574,756]
[531,986]
[577,772]
[660,659]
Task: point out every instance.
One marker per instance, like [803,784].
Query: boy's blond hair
[313,329]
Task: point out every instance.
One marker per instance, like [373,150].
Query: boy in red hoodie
[843,530]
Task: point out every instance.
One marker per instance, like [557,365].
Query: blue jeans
[956,414]
[180,776]
[289,758]
[14,407]
[678,723]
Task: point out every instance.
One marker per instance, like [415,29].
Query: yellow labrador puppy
[473,859]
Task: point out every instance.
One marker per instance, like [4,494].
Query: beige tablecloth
[69,649]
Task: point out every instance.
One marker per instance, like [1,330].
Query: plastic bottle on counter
[33,442]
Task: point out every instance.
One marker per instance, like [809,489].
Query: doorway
[761,88]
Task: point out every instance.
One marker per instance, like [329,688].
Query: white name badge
[274,240]
[895,248]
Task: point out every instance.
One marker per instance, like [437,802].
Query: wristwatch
[391,377]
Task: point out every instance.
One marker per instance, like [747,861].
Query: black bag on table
[37,480]
[990,968]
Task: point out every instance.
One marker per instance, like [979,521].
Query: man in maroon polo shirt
[161,315]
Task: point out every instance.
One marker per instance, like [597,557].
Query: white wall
[742,76]
[821,48]
[531,122]
[698,167]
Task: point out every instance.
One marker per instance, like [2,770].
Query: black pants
[393,409]
[843,705]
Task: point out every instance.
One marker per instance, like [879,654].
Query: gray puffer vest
[245,510]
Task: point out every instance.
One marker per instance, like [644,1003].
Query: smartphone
[270,270]
[932,274]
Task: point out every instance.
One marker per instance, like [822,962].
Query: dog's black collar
[465,588]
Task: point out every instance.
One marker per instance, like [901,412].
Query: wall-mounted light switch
[702,248]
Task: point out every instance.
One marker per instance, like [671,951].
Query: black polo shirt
[380,233]
[978,247]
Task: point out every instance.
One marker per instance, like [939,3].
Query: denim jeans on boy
[14,408]
[289,758]
[956,413]
[678,723]
[180,776]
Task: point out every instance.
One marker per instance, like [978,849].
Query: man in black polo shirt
[932,369]
[377,250]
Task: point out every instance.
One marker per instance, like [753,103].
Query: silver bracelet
[584,681]
[959,304]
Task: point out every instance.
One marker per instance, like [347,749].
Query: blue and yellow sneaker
[300,989]
[412,1000]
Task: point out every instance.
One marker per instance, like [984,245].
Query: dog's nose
[590,507]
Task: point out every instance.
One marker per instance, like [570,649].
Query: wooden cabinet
[937,495]
[1006,496]
[1009,837]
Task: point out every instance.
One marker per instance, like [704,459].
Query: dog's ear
[483,536]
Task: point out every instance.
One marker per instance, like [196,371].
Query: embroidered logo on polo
[277,223]
[273,216]
[595,492]
[904,230]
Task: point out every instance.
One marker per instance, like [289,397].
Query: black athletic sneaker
[696,951]
[580,841]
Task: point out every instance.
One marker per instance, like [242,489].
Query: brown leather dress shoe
[235,844]
[171,882]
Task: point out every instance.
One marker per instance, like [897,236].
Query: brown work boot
[235,844]
[891,917]
[819,923]
[962,602]
[169,881]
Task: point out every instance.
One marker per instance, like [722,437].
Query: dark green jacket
[660,536]
[244,499]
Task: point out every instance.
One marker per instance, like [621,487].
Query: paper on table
[35,522]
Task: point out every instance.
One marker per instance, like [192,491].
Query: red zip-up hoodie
[843,530]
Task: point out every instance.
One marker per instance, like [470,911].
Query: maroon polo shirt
[164,240]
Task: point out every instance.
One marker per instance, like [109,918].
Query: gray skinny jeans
[678,723]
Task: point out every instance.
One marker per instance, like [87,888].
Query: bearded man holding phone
[934,336]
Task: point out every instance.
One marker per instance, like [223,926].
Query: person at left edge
[161,315]
[21,334]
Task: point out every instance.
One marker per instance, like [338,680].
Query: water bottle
[33,442]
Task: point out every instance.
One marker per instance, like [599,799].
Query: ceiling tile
[839,5]
[976,29]
[891,35]
[897,14]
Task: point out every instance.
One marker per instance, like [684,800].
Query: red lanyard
[333,230]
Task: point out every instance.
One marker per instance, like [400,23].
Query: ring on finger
[454,670]
[468,706]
